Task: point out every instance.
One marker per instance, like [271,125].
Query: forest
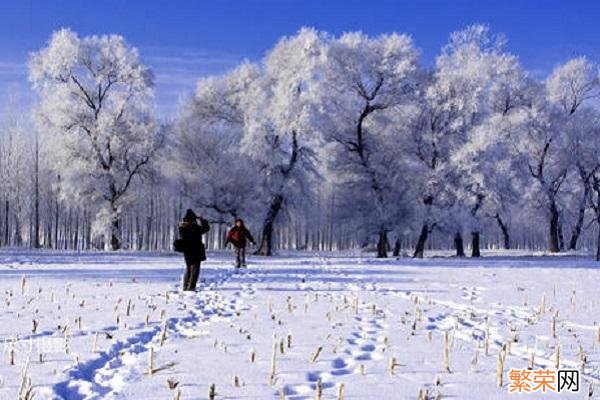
[328,143]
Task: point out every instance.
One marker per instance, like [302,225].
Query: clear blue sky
[184,40]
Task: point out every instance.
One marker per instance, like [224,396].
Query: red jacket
[238,236]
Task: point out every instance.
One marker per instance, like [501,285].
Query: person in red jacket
[238,236]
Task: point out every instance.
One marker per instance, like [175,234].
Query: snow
[359,309]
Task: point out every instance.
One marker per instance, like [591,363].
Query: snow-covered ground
[345,317]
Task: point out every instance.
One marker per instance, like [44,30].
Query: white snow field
[345,317]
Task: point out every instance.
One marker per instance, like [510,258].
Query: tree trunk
[266,242]
[382,244]
[420,247]
[115,229]
[76,235]
[6,230]
[576,231]
[36,224]
[56,220]
[18,239]
[397,247]
[579,223]
[505,233]
[598,246]
[475,251]
[554,237]
[561,238]
[458,245]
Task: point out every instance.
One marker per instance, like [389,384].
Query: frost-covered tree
[541,141]
[588,161]
[363,78]
[280,129]
[15,177]
[96,101]
[546,136]
[570,86]
[328,143]
[455,98]
[488,175]
[206,159]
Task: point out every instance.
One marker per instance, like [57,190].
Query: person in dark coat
[239,236]
[190,232]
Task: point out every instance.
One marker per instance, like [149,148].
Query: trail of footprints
[358,352]
[125,359]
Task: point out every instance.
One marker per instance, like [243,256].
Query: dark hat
[190,216]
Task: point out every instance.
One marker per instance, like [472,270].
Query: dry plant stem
[532,360]
[128,311]
[273,369]
[543,305]
[11,355]
[341,391]
[95,343]
[163,334]
[151,361]
[500,368]
[319,390]
[446,352]
[316,354]
[392,366]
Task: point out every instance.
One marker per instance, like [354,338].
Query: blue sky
[185,40]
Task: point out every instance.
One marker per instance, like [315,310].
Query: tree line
[327,143]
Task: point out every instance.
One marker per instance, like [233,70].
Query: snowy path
[336,321]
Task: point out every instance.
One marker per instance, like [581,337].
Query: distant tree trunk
[458,245]
[554,227]
[56,220]
[18,239]
[598,244]
[397,247]
[382,244]
[580,218]
[48,235]
[420,246]
[475,251]
[561,238]
[115,228]
[425,230]
[266,242]
[115,243]
[36,212]
[6,230]
[57,213]
[76,232]
[88,231]
[504,230]
[149,219]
